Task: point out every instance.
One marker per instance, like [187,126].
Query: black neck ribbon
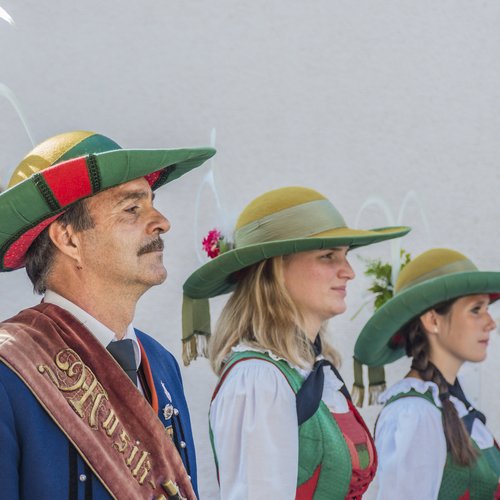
[308,397]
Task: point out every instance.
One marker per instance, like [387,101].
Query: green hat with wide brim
[72,166]
[433,277]
[280,222]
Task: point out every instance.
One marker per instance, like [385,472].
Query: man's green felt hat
[433,277]
[72,166]
[280,222]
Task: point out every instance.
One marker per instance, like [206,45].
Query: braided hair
[418,347]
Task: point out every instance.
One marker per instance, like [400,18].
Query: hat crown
[432,264]
[274,201]
[61,148]
[285,214]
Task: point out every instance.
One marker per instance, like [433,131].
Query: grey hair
[40,255]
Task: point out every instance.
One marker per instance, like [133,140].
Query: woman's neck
[447,364]
[311,328]
[448,370]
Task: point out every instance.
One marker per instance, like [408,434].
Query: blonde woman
[431,442]
[282,424]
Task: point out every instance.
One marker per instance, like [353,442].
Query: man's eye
[132,210]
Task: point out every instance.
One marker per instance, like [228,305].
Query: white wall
[353,98]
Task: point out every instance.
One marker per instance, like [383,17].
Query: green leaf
[381,274]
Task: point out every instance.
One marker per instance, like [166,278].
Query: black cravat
[309,395]
[123,352]
[468,420]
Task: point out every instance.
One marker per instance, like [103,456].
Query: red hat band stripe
[53,185]
[14,257]
[68,192]
[153,177]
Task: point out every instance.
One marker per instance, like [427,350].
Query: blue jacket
[38,462]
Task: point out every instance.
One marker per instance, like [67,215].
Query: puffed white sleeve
[411,450]
[255,431]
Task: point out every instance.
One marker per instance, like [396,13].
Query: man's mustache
[153,246]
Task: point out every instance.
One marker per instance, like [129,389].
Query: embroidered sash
[94,403]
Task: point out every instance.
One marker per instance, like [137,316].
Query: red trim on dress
[353,434]
[306,490]
[361,478]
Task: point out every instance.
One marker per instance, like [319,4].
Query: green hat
[71,166]
[279,222]
[433,277]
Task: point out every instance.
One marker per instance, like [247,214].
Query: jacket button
[83,478]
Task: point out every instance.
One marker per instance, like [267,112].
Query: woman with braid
[282,423]
[431,442]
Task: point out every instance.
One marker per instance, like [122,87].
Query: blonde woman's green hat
[436,276]
[280,222]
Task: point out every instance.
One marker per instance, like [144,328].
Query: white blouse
[254,424]
[411,445]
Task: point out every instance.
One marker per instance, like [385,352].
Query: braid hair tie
[444,396]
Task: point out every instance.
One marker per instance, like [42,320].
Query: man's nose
[159,223]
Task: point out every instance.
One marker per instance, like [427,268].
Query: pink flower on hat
[211,243]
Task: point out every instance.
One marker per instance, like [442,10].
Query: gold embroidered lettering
[90,401]
[46,369]
[132,455]
[147,469]
[95,407]
[125,441]
[71,369]
[111,422]
[139,465]
[79,405]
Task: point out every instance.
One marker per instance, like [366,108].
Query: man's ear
[430,322]
[66,240]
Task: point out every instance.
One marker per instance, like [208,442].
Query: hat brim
[29,206]
[216,277]
[373,344]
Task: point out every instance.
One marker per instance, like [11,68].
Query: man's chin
[161,277]
[155,277]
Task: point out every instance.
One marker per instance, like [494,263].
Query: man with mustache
[89,406]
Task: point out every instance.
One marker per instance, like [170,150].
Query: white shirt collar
[101,332]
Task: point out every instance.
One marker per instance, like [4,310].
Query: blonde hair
[261,313]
